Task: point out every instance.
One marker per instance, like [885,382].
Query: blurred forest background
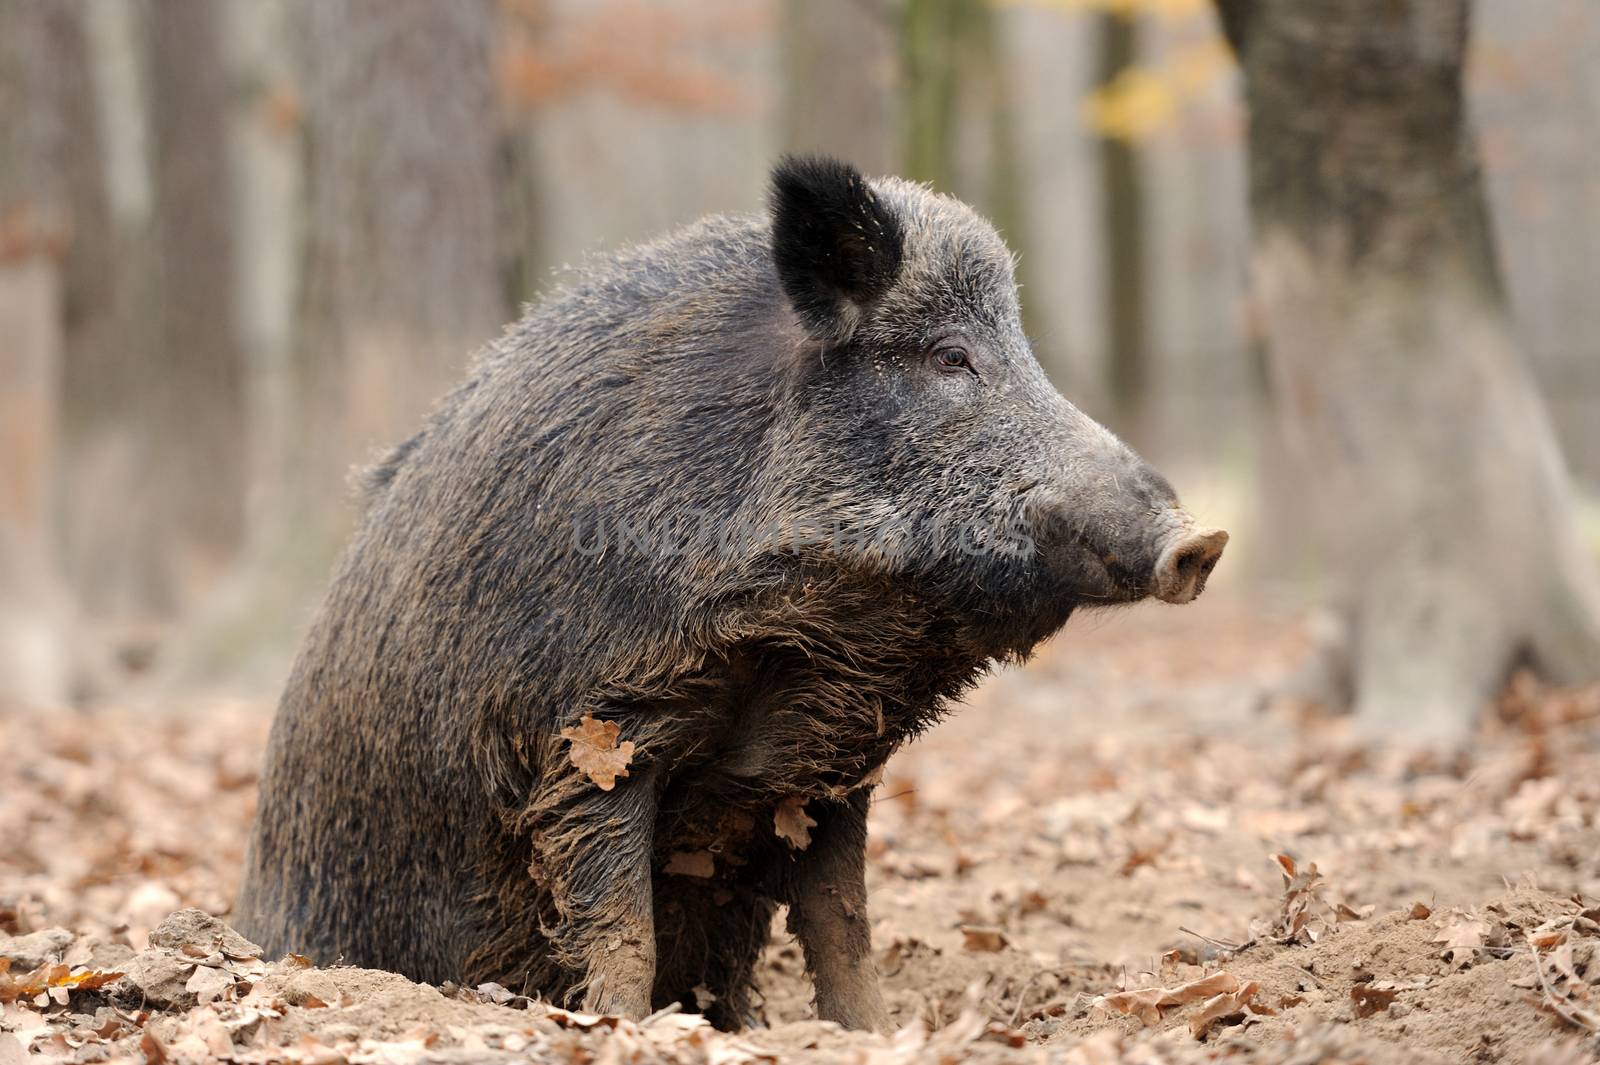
[245,243]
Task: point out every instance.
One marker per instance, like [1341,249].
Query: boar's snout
[1185,563]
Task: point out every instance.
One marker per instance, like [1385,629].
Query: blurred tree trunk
[959,130]
[1122,190]
[1441,499]
[33,666]
[399,281]
[199,432]
[53,283]
[957,127]
[524,271]
[839,74]
[933,35]
[117,531]
[521,30]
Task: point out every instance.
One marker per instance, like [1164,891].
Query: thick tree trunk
[1442,503]
[399,282]
[401,287]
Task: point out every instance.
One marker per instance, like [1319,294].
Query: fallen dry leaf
[792,823]
[1343,913]
[596,752]
[692,863]
[154,1052]
[1305,916]
[209,984]
[1147,1003]
[91,980]
[15,1017]
[1226,1004]
[55,980]
[1462,938]
[982,939]
[1561,960]
[1372,998]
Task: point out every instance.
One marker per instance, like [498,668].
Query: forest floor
[1115,855]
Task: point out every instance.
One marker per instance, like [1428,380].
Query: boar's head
[927,427]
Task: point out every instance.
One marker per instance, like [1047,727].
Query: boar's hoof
[1186,563]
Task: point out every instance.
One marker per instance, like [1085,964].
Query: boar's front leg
[592,849]
[827,896]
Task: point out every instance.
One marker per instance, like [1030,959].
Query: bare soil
[1116,854]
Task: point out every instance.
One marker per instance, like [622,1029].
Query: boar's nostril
[1186,562]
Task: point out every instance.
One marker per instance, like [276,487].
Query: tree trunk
[1122,186]
[930,33]
[47,251]
[33,667]
[957,120]
[398,283]
[1441,501]
[116,533]
[839,76]
[199,433]
[958,131]
[402,286]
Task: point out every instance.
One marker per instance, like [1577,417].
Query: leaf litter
[1112,858]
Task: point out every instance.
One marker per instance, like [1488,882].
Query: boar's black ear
[837,247]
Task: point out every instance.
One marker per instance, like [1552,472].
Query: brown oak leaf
[792,824]
[596,752]
[1462,938]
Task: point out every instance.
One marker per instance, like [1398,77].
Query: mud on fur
[854,359]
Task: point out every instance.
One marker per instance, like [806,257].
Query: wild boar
[627,630]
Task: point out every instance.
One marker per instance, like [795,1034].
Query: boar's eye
[951,359]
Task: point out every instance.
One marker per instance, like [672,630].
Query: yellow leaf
[1134,104]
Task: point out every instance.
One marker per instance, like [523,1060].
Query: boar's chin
[1085,579]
